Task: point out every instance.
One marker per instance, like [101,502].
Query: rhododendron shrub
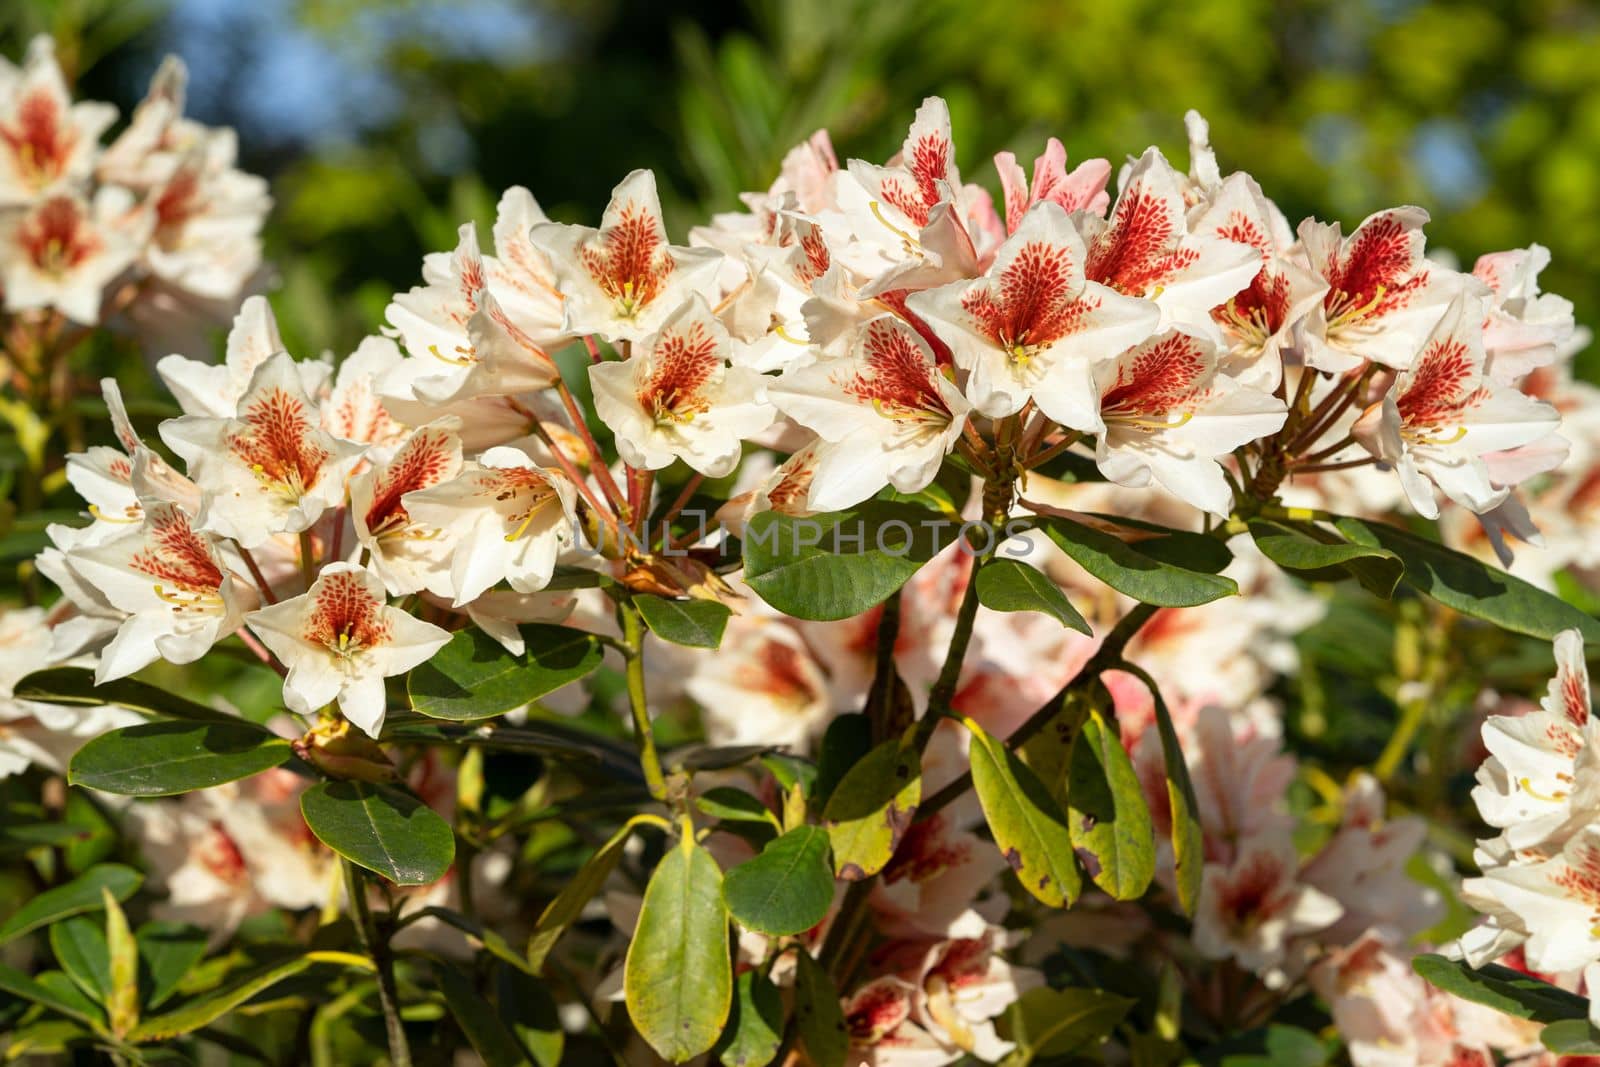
[870,632]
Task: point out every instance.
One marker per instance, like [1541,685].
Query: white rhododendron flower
[1170,416]
[62,253]
[503,518]
[406,554]
[271,468]
[1445,415]
[174,587]
[621,281]
[1033,327]
[340,640]
[677,398]
[886,412]
[1146,248]
[46,140]
[1383,298]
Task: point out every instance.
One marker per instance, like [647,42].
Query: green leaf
[695,623]
[568,904]
[833,566]
[491,941]
[1006,585]
[1050,1023]
[167,950]
[1319,555]
[206,1010]
[123,1004]
[678,978]
[381,829]
[1188,840]
[846,742]
[1128,568]
[755,1024]
[1028,825]
[75,686]
[76,897]
[80,948]
[489,1036]
[871,809]
[1506,991]
[536,737]
[1571,1037]
[17,984]
[157,759]
[787,888]
[735,805]
[1471,586]
[819,1018]
[67,994]
[1274,1045]
[473,677]
[1107,814]
[527,1007]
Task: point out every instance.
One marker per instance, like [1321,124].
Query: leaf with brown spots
[871,808]
[1107,814]
[1028,824]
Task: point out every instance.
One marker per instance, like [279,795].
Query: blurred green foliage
[1487,112]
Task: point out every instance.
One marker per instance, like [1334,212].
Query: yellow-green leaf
[1028,824]
[871,808]
[678,978]
[1107,814]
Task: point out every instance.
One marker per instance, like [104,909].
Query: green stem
[377,947]
[633,639]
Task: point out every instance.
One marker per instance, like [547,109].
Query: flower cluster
[1170,364]
[156,232]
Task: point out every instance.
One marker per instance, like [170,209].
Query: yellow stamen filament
[1554,798]
[911,243]
[94,509]
[466,357]
[1420,438]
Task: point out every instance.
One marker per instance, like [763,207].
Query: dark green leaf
[473,677]
[1506,991]
[1274,1045]
[162,758]
[695,623]
[819,1018]
[678,978]
[381,829]
[755,1024]
[529,1010]
[1471,586]
[1107,814]
[1028,824]
[847,741]
[17,984]
[1319,555]
[1049,1023]
[787,888]
[80,948]
[568,904]
[535,736]
[76,897]
[167,950]
[1571,1037]
[1006,585]
[871,809]
[75,685]
[489,1036]
[1125,567]
[833,566]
